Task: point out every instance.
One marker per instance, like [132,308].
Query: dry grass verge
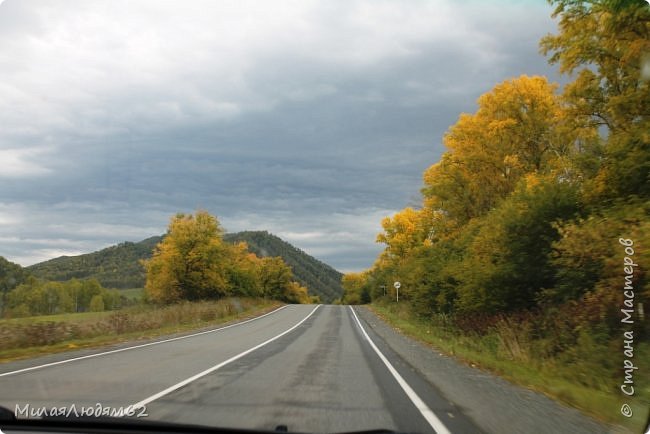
[579,376]
[32,336]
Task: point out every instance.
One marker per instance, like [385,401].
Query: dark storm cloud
[312,120]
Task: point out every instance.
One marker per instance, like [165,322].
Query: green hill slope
[114,267]
[318,277]
[10,274]
[119,266]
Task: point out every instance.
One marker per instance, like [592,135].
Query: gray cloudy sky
[309,119]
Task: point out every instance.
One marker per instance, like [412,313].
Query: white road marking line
[215,367]
[426,412]
[60,362]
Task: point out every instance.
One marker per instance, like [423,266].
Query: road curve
[311,368]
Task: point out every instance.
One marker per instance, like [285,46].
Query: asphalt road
[311,368]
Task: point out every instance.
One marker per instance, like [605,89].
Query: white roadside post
[397,286]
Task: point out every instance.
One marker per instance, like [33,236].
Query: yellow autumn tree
[605,44]
[189,263]
[406,230]
[355,289]
[242,271]
[519,128]
[296,293]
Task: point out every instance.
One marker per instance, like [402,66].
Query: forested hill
[114,267]
[318,277]
[119,266]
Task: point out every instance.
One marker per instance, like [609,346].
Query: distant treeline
[39,297]
[23,294]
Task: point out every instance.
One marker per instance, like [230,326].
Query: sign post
[397,286]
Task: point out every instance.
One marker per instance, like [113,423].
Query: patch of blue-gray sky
[309,119]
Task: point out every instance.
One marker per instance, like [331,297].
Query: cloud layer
[310,119]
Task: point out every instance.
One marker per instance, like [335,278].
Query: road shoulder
[494,404]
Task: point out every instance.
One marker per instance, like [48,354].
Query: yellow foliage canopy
[519,127]
[188,262]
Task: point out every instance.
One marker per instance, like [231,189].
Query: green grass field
[132,293]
